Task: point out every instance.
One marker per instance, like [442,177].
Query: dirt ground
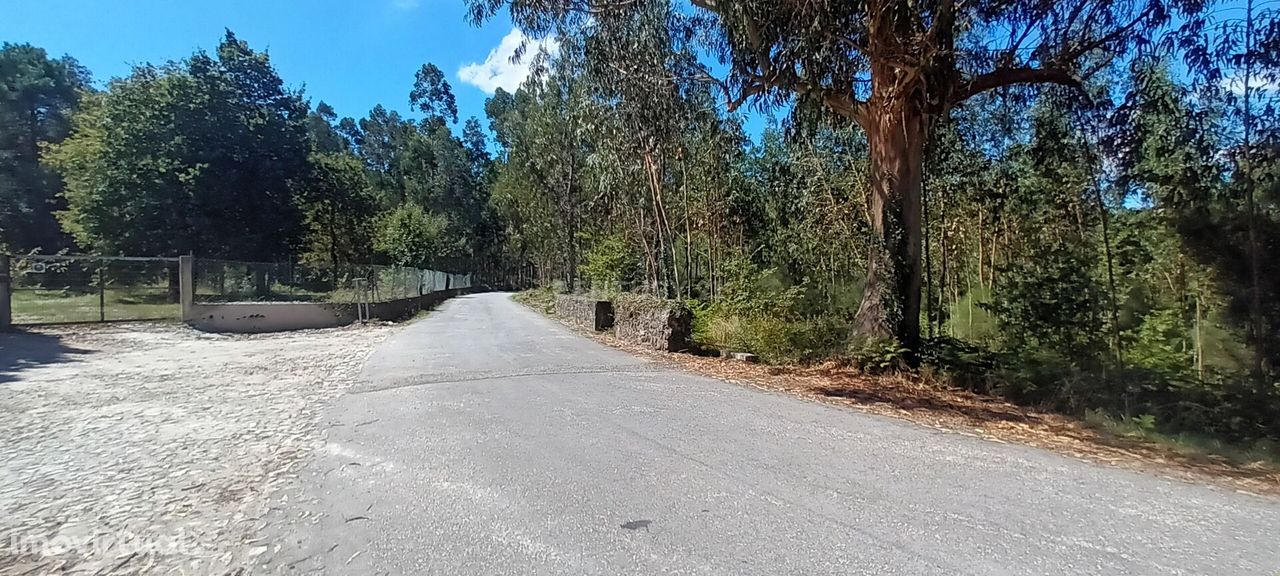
[155,448]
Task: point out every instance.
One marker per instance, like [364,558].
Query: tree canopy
[38,96]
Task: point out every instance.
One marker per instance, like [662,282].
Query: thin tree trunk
[1111,275]
[943,280]
[572,229]
[662,227]
[1199,340]
[688,229]
[333,248]
[928,264]
[1257,323]
[980,219]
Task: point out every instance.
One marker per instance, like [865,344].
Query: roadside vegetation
[1082,224]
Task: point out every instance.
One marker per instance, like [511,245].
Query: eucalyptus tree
[1244,64]
[477,145]
[891,66]
[338,207]
[433,96]
[639,68]
[543,132]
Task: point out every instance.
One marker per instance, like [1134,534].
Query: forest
[1074,205]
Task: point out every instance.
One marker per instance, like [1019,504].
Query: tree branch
[1001,77]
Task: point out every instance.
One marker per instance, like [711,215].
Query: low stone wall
[253,317]
[586,312]
[653,322]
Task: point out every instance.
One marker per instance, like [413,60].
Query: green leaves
[411,236]
[38,95]
[433,96]
[196,156]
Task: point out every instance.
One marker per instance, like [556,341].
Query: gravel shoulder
[155,448]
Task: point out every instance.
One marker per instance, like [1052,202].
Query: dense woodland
[1074,204]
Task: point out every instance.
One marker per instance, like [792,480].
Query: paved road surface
[487,439]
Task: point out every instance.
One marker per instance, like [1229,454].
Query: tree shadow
[21,350]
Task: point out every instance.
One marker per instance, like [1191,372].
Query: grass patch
[45,306]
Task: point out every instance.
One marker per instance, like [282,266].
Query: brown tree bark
[896,132]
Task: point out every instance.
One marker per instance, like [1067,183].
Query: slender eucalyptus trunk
[1257,325]
[944,306]
[571,231]
[928,264]
[688,230]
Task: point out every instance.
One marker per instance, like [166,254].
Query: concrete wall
[586,312]
[268,316]
[251,317]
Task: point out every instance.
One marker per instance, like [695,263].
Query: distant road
[487,439]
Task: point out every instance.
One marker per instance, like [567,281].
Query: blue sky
[352,54]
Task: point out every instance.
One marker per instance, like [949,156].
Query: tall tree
[327,138]
[339,209]
[477,144]
[433,96]
[196,156]
[891,66]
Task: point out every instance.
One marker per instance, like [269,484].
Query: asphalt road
[487,439]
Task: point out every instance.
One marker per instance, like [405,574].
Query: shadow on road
[21,350]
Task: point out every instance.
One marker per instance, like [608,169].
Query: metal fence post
[6,310]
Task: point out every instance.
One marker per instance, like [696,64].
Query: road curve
[487,439]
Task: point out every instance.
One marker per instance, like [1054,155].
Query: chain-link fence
[61,288]
[65,288]
[232,281]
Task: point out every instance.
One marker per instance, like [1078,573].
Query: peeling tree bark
[896,133]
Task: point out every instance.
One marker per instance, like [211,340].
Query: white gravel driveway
[154,448]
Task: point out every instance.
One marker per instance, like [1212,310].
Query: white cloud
[405,4]
[498,70]
[1256,83]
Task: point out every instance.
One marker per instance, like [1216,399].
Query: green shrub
[964,364]
[746,291]
[877,355]
[773,339]
[609,265]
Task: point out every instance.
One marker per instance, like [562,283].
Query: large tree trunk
[896,133]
